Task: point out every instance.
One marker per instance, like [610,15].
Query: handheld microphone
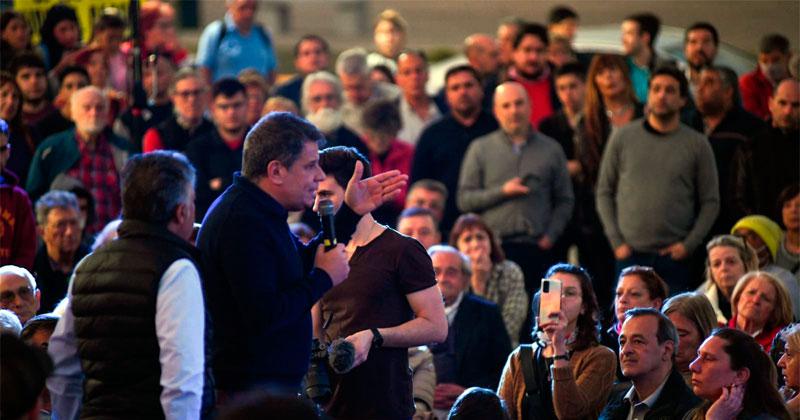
[341,356]
[326,220]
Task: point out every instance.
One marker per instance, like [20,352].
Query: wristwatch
[377,338]
[561,357]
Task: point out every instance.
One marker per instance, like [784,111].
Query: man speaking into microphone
[388,303]
[261,281]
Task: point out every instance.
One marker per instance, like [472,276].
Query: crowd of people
[231,242]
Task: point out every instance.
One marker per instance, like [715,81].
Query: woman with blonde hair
[729,258]
[694,318]
[761,307]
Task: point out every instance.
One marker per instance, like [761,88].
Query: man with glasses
[189,94]
[18,292]
[58,219]
[321,102]
[218,154]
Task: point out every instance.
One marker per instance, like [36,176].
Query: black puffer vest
[114,304]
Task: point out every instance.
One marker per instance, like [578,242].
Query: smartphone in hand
[549,300]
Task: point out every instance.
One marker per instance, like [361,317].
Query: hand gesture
[622,252]
[545,243]
[728,405]
[554,329]
[481,266]
[334,262]
[676,251]
[514,187]
[365,195]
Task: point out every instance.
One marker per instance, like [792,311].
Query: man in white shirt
[131,342]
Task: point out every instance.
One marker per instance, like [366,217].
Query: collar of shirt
[633,399]
[451,311]
[83,143]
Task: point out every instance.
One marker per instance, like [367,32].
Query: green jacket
[59,152]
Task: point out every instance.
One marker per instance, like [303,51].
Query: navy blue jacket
[260,286]
[675,400]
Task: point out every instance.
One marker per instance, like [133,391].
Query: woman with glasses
[566,373]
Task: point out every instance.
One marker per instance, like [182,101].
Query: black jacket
[675,400]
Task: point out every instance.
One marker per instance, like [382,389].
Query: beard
[327,120]
[91,128]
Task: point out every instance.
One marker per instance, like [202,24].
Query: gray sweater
[657,189]
[492,160]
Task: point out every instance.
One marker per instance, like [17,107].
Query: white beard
[327,120]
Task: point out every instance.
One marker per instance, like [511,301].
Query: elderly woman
[729,258]
[764,236]
[761,307]
[694,318]
[637,287]
[789,363]
[735,378]
[571,372]
[493,276]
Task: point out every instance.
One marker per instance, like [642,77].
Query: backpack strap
[528,372]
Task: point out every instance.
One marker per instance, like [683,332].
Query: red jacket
[17,226]
[764,338]
[398,157]
[756,91]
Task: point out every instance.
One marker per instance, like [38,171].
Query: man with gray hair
[477,343]
[89,155]
[728,127]
[321,101]
[141,296]
[190,96]
[59,226]
[352,69]
[648,345]
[18,292]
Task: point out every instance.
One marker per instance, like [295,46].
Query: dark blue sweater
[260,287]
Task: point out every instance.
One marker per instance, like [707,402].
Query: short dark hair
[39,322]
[23,371]
[666,329]
[382,116]
[313,38]
[786,195]
[416,212]
[656,286]
[703,26]
[473,221]
[673,72]
[277,136]
[72,70]
[573,68]
[227,87]
[463,68]
[340,162]
[774,42]
[478,403]
[560,13]
[109,20]
[25,59]
[534,29]
[649,23]
[154,184]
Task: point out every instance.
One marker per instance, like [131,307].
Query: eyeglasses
[9,296]
[186,94]
[319,98]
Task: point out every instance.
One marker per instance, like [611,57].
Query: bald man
[89,155]
[516,178]
[770,163]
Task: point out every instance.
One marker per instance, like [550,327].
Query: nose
[695,365]
[315,207]
[782,361]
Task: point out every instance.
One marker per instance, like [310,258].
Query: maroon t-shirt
[382,273]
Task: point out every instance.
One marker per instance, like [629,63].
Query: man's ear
[37,296]
[669,350]
[276,172]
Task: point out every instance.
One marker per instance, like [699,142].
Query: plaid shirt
[506,288]
[96,170]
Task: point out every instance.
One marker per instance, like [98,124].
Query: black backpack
[537,403]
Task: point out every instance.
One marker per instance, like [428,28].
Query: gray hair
[55,199]
[9,322]
[183,74]
[466,267]
[83,91]
[353,62]
[154,184]
[666,330]
[319,76]
[14,270]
